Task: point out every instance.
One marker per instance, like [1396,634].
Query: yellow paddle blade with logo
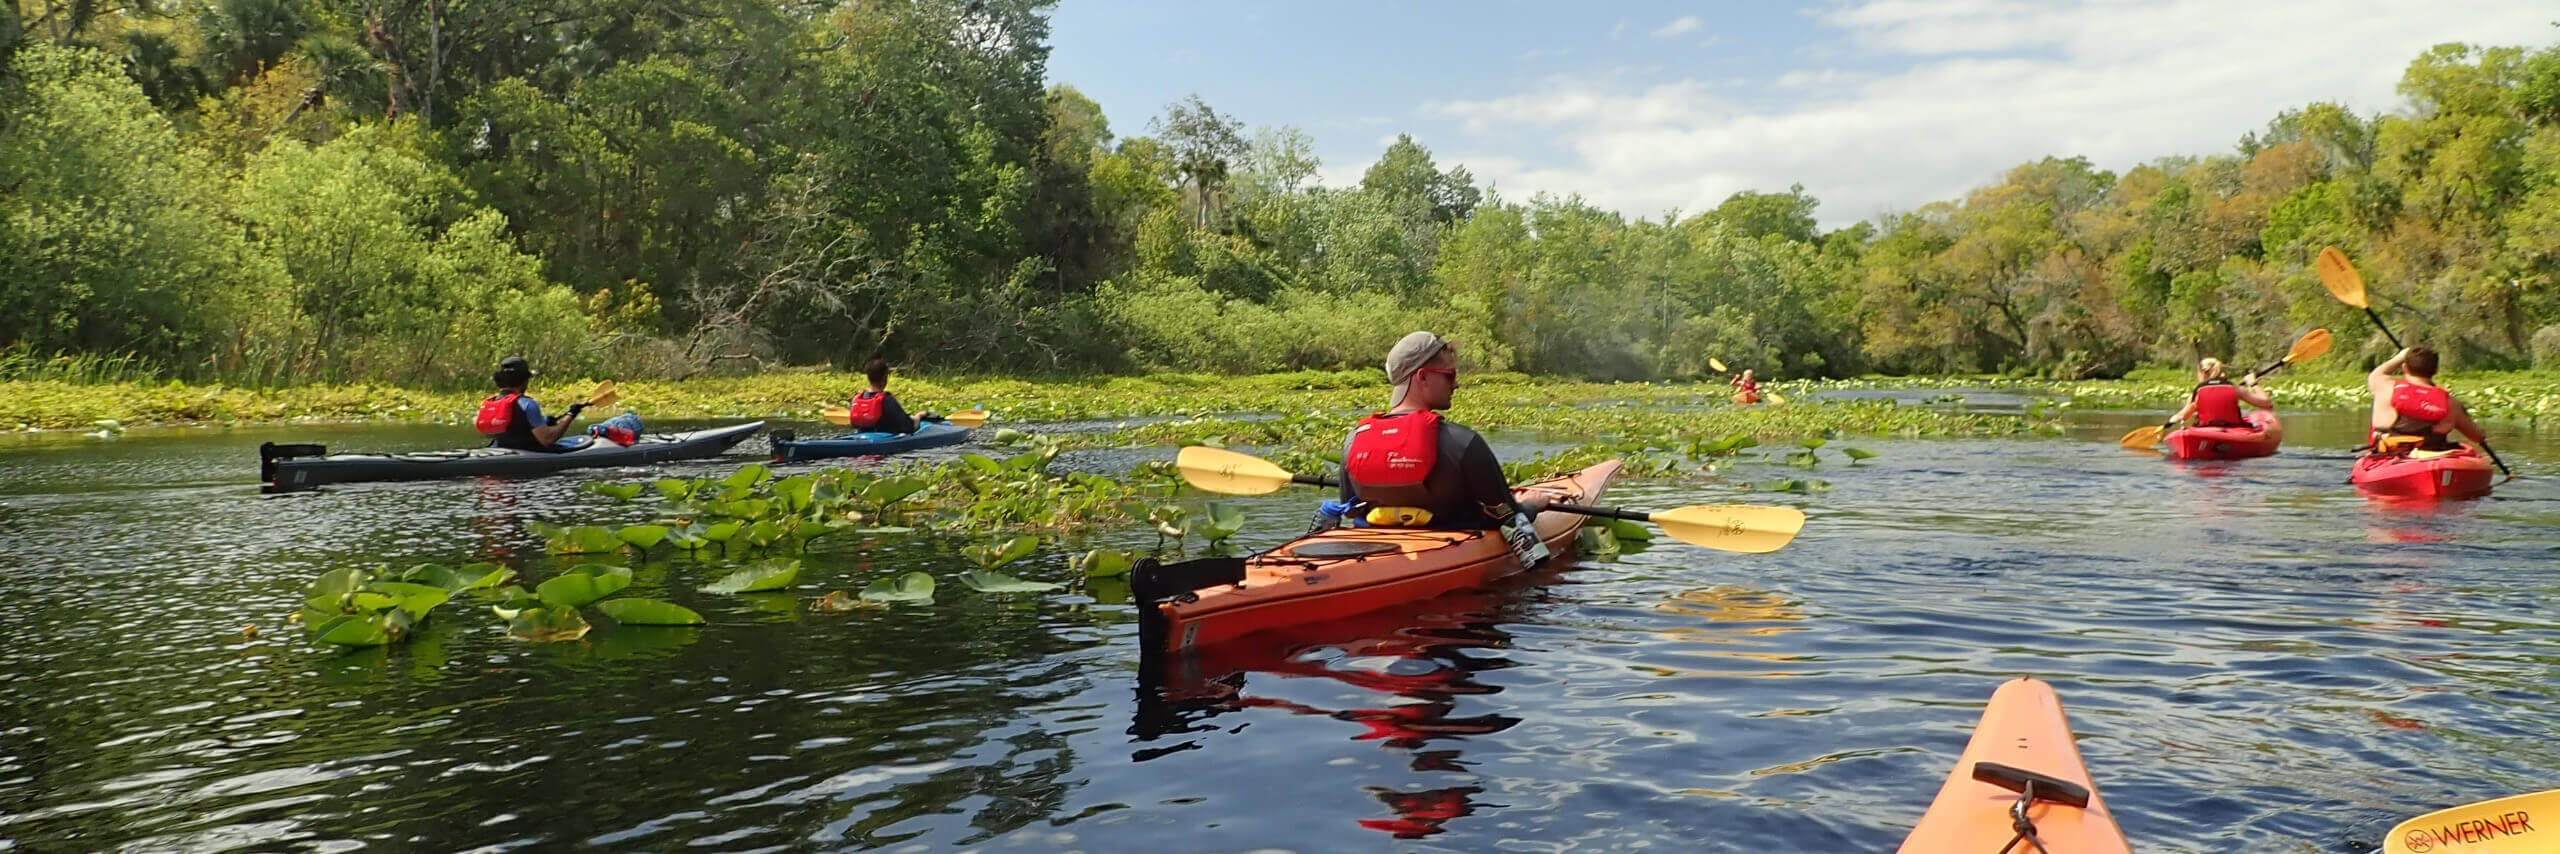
[2522,824]
[1746,528]
[1229,472]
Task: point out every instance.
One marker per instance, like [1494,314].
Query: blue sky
[1874,105]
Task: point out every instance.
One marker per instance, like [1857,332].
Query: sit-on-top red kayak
[2021,752]
[1341,572]
[2228,443]
[2458,473]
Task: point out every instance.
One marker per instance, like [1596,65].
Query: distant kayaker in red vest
[511,419]
[1746,391]
[1409,458]
[2411,411]
[2216,400]
[877,410]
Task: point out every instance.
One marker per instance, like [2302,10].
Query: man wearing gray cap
[1409,467]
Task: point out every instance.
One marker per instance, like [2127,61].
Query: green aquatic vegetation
[758,577]
[1102,563]
[986,581]
[582,585]
[369,607]
[648,612]
[910,587]
[995,554]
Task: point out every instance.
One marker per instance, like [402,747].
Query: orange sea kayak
[1339,573]
[2022,746]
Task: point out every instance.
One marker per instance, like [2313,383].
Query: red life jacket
[497,413]
[2218,405]
[2422,403]
[865,409]
[1390,457]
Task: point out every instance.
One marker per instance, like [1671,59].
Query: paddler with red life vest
[2410,412]
[2216,400]
[511,419]
[1409,467]
[1746,391]
[877,410]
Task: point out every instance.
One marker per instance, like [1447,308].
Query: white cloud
[1949,93]
[1678,26]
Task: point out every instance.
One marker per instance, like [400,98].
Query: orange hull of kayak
[1281,589]
[2024,728]
[2228,443]
[2461,474]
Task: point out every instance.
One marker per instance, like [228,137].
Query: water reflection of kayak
[1339,573]
[1421,660]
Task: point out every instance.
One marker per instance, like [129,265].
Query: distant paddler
[514,420]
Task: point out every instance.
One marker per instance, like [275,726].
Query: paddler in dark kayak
[877,410]
[1408,467]
[2216,400]
[513,420]
[2411,412]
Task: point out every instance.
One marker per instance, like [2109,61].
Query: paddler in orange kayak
[1409,467]
[2216,400]
[1746,391]
[2411,412]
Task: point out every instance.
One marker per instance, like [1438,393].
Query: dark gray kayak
[288,468]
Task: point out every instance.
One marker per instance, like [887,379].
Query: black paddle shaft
[2386,330]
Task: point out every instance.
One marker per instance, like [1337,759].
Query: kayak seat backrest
[2048,788]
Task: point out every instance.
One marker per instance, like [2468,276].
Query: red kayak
[2458,473]
[2228,443]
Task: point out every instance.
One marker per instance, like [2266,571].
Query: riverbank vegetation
[279,195]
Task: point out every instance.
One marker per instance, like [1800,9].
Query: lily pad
[1008,435]
[675,488]
[648,612]
[911,587]
[417,599]
[891,490]
[764,533]
[993,555]
[642,537]
[1812,442]
[548,624]
[1858,453]
[436,576]
[996,582]
[982,463]
[747,477]
[364,629]
[338,582]
[721,532]
[795,491]
[1105,564]
[486,576]
[1222,522]
[583,585]
[759,576]
[624,491]
[1627,530]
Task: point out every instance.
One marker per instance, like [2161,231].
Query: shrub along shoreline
[1491,401]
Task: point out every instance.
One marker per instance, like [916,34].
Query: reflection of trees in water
[1428,653]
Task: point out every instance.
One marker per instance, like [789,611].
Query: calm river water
[2255,659]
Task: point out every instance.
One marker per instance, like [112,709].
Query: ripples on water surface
[2254,657]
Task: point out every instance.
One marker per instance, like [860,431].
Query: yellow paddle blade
[604,396]
[2311,345]
[1775,398]
[1712,362]
[2143,437]
[970,418]
[2339,276]
[2502,826]
[836,415]
[1221,470]
[1745,528]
